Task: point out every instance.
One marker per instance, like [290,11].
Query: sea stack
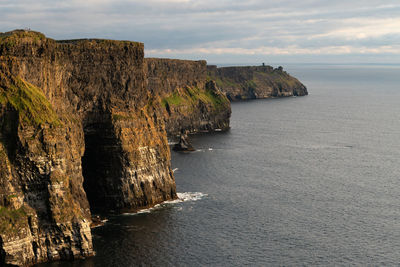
[183,145]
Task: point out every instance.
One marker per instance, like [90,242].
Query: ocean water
[309,180]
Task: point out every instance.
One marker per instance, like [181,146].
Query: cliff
[78,131]
[189,102]
[255,82]
[83,128]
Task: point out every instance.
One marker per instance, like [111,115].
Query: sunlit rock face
[77,126]
[190,100]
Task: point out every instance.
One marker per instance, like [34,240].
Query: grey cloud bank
[225,31]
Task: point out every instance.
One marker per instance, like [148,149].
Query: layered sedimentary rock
[83,127]
[255,82]
[189,101]
[77,127]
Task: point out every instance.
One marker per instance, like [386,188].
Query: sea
[298,181]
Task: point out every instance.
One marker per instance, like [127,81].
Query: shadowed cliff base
[105,164]
[101,162]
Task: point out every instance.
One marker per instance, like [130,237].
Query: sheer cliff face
[189,102]
[255,82]
[77,126]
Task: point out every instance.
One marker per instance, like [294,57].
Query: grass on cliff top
[228,83]
[29,101]
[103,42]
[173,100]
[223,83]
[11,220]
[191,96]
[22,34]
[218,101]
[207,96]
[10,39]
[276,77]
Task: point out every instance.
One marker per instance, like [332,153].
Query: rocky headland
[84,127]
[250,82]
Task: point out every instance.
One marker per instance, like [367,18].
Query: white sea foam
[323,146]
[191,196]
[182,197]
[139,212]
[210,149]
[103,222]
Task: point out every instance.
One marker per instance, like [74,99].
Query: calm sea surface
[310,180]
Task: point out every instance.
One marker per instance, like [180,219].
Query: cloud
[224,27]
[290,50]
[363,28]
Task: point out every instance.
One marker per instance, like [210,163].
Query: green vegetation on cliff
[29,101]
[11,39]
[116,44]
[17,34]
[217,100]
[255,82]
[12,220]
[174,99]
[222,83]
[191,96]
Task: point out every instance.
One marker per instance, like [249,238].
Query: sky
[225,31]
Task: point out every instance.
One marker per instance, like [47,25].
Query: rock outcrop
[251,82]
[183,145]
[78,130]
[189,101]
